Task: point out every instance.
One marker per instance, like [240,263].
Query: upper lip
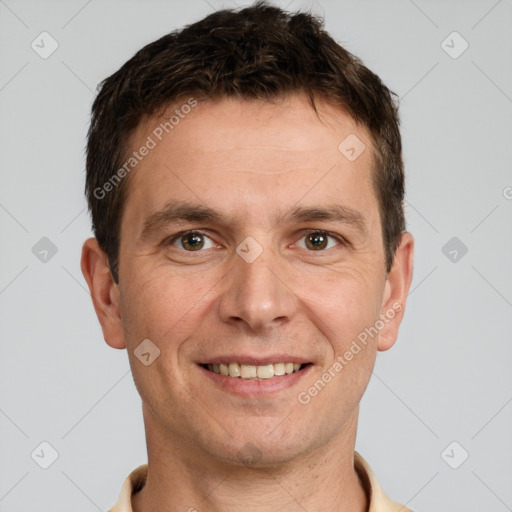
[255,360]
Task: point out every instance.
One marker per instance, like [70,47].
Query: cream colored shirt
[379,502]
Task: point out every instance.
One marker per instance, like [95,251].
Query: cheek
[342,303]
[162,306]
[166,309]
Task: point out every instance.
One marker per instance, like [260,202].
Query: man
[245,181]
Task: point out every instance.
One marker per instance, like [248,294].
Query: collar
[379,502]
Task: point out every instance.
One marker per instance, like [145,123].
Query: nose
[257,295]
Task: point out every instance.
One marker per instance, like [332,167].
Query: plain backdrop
[436,421]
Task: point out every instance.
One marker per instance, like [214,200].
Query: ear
[395,292]
[104,292]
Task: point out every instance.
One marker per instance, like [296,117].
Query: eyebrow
[182,212]
[177,212]
[332,213]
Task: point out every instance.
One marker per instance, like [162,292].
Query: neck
[183,478]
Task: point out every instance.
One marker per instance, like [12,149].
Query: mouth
[255,372]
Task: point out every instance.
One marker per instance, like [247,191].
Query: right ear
[104,292]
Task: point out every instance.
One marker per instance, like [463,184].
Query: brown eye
[318,241]
[192,241]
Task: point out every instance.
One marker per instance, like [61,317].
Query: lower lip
[253,388]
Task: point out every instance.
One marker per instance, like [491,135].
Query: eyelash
[339,239]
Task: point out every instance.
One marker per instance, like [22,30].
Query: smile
[251,372]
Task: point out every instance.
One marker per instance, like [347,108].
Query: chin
[262,448]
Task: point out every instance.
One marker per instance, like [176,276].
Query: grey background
[447,379]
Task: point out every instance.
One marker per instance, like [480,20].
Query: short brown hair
[259,52]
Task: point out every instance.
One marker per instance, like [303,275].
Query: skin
[253,162]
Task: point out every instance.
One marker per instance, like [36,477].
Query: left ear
[395,292]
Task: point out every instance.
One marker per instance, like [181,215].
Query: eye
[192,241]
[318,241]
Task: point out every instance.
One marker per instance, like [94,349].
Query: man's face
[249,238]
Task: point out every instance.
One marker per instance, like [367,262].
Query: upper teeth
[247,371]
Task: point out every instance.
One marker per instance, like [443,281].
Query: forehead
[249,150]
[286,123]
